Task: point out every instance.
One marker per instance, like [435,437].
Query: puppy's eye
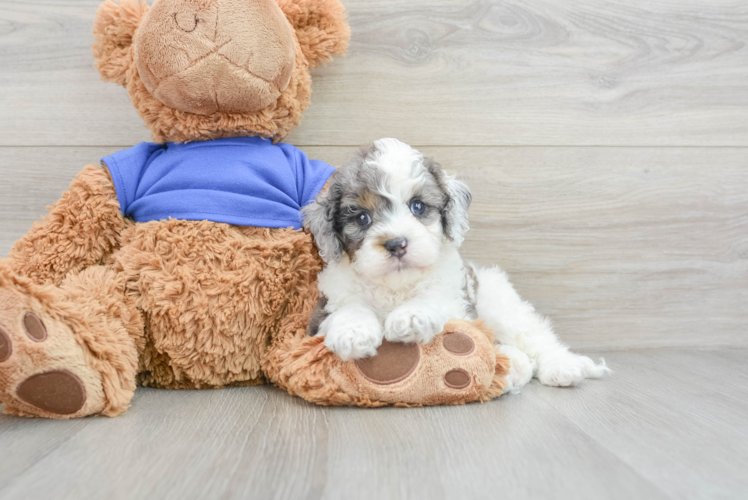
[417,207]
[363,219]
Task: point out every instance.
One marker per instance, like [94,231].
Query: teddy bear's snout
[217,57]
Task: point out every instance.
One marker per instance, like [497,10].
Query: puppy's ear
[319,219]
[320,26]
[455,214]
[114,29]
[455,211]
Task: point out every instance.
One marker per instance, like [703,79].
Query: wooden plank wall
[606,142]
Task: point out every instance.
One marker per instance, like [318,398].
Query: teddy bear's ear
[320,26]
[113,30]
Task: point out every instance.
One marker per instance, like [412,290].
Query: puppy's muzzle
[397,247]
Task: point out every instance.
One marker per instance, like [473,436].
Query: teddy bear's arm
[81,229]
[320,26]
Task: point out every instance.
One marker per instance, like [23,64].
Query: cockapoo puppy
[389,228]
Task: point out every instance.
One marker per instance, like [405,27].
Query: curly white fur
[374,295]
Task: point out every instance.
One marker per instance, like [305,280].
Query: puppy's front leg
[414,321]
[352,332]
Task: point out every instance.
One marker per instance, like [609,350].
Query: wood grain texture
[436,72]
[679,418]
[621,247]
[656,429]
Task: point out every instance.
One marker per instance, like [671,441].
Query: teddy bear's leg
[69,351]
[516,324]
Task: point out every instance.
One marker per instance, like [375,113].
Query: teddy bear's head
[204,69]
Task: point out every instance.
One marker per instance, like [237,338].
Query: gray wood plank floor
[606,142]
[670,423]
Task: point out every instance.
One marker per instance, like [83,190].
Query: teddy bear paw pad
[458,343]
[457,378]
[34,327]
[58,391]
[394,362]
[6,347]
[42,366]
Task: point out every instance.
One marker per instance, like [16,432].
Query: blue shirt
[246,181]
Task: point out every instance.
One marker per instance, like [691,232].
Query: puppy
[389,228]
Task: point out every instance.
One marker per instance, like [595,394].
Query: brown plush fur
[81,229]
[202,58]
[214,294]
[320,32]
[320,28]
[182,304]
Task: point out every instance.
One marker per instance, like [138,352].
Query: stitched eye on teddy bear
[185,21]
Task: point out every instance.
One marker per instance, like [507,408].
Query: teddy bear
[181,263]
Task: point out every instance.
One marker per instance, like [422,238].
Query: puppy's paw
[351,335]
[411,323]
[521,370]
[563,368]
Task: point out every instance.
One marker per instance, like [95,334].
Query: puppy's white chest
[384,300]
[441,287]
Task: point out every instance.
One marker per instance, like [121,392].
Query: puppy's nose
[396,246]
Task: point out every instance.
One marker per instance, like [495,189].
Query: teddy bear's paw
[43,370]
[520,371]
[457,366]
[396,361]
[562,368]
